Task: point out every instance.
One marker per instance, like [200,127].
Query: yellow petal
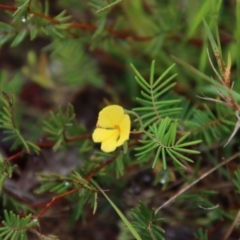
[125,128]
[110,116]
[110,144]
[101,134]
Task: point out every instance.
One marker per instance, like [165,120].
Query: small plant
[82,138]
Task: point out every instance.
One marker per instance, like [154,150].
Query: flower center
[117,127]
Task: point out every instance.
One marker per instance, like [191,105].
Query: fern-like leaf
[6,170]
[153,108]
[57,125]
[162,140]
[209,126]
[146,221]
[8,124]
[15,228]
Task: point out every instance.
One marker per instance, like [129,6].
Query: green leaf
[14,226]
[156,83]
[21,12]
[120,214]
[18,39]
[215,49]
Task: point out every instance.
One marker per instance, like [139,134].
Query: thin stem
[149,228]
[10,8]
[138,118]
[48,144]
[49,204]
[29,5]
[81,137]
[141,130]
[219,77]
[154,105]
[97,169]
[172,199]
[233,225]
[88,178]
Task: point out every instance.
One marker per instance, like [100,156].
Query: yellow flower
[113,128]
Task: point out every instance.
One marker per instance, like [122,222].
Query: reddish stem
[88,177]
[41,145]
[49,204]
[48,144]
[97,169]
[10,8]
[82,137]
[80,25]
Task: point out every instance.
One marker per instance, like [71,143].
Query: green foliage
[124,219]
[236,180]
[78,72]
[216,48]
[21,11]
[24,24]
[15,227]
[153,110]
[119,165]
[201,234]
[54,53]
[58,125]
[202,201]
[60,184]
[84,191]
[161,137]
[7,29]
[12,86]
[6,170]
[146,222]
[97,6]
[163,141]
[8,124]
[9,202]
[55,183]
[206,125]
